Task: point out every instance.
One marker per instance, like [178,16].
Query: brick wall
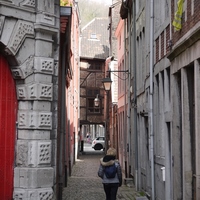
[162,44]
[189,19]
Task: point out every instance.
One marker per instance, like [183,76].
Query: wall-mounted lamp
[107,83]
[97,101]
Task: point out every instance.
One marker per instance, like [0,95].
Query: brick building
[93,55]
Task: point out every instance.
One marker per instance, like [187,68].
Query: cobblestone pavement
[84,184]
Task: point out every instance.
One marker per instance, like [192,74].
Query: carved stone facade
[29,30]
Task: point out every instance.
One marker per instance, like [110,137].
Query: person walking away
[111,174]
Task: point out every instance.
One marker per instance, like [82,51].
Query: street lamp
[97,101]
[107,83]
[107,87]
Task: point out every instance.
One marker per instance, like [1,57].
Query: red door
[8,109]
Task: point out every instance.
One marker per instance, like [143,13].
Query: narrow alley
[84,184]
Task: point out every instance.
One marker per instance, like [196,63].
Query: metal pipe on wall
[151,95]
[129,93]
[135,95]
[125,109]
[62,118]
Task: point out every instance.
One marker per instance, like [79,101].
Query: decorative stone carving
[33,153]
[45,91]
[28,3]
[32,120]
[17,73]
[45,195]
[22,155]
[22,118]
[32,91]
[19,194]
[40,91]
[35,120]
[21,93]
[45,119]
[45,65]
[23,70]
[35,91]
[44,155]
[36,194]
[22,30]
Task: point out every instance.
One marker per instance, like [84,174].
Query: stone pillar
[29,32]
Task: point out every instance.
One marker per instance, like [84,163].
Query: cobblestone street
[84,184]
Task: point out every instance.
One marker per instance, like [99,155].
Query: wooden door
[8,110]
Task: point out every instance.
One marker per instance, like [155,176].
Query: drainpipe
[112,130]
[125,109]
[151,95]
[62,119]
[107,133]
[128,99]
[135,96]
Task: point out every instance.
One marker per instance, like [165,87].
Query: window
[91,95]
[91,107]
[93,36]
[95,66]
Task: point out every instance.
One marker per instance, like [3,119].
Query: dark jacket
[107,161]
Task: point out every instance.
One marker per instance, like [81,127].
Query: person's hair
[111,152]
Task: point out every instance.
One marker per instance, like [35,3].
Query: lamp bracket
[125,71]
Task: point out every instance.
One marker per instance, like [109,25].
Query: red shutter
[8,110]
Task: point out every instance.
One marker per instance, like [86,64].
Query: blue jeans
[111,190]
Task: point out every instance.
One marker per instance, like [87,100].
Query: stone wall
[28,34]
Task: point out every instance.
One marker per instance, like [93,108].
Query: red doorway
[8,110]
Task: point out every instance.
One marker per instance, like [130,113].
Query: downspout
[125,109]
[112,130]
[129,94]
[68,108]
[107,69]
[135,95]
[62,118]
[151,95]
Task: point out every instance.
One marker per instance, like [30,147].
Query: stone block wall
[27,34]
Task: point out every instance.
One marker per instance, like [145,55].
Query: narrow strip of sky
[107,2]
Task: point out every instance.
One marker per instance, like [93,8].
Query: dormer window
[93,36]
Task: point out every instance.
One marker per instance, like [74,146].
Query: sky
[108,2]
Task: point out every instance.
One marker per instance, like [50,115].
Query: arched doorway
[8,110]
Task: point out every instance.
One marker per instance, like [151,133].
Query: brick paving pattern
[84,184]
